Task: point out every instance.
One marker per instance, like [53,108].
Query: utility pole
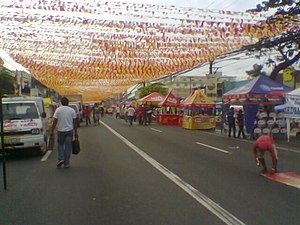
[2,145]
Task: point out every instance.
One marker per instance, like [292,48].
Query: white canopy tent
[291,108]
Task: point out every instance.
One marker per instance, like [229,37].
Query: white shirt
[130,111]
[65,116]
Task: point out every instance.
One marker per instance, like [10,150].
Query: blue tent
[260,90]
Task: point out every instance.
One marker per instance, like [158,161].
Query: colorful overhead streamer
[101,48]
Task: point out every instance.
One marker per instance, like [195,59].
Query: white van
[24,123]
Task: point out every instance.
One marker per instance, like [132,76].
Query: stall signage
[172,100]
[270,88]
[293,106]
[292,110]
[156,98]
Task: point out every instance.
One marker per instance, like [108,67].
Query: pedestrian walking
[231,122]
[240,121]
[118,111]
[87,115]
[144,114]
[102,111]
[130,114]
[97,113]
[65,117]
[260,146]
[138,113]
[149,115]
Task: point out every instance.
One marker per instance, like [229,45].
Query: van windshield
[20,110]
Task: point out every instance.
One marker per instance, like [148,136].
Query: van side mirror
[43,115]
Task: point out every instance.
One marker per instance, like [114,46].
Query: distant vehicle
[109,110]
[78,114]
[24,123]
[76,100]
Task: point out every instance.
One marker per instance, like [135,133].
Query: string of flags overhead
[101,48]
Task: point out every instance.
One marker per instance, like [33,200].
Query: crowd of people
[133,113]
[232,120]
[65,117]
[96,111]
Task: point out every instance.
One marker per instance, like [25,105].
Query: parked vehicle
[24,123]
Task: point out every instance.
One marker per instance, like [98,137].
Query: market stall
[291,112]
[168,114]
[258,98]
[149,104]
[199,112]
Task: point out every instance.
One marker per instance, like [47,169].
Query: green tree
[158,87]
[256,71]
[6,83]
[287,44]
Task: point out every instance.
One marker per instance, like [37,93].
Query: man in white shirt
[118,110]
[130,114]
[65,117]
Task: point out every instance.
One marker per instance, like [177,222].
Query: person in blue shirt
[231,122]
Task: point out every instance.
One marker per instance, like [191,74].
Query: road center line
[156,130]
[46,156]
[213,207]
[215,148]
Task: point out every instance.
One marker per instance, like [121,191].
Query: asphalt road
[149,175]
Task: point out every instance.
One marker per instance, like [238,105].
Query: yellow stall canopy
[198,100]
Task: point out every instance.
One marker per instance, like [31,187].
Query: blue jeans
[64,146]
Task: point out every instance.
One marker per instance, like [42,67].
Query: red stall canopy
[154,97]
[170,100]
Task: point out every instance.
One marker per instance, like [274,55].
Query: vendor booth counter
[199,112]
[169,111]
[169,119]
[199,122]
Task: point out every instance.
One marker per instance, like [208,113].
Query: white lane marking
[156,130]
[249,141]
[213,207]
[46,156]
[215,148]
[288,150]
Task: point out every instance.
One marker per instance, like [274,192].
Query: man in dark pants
[65,117]
[231,122]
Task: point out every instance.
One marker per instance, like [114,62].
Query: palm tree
[7,83]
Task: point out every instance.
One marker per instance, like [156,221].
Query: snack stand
[199,112]
[168,114]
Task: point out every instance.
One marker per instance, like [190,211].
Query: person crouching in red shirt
[260,146]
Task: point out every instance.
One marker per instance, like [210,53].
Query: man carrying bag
[65,117]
